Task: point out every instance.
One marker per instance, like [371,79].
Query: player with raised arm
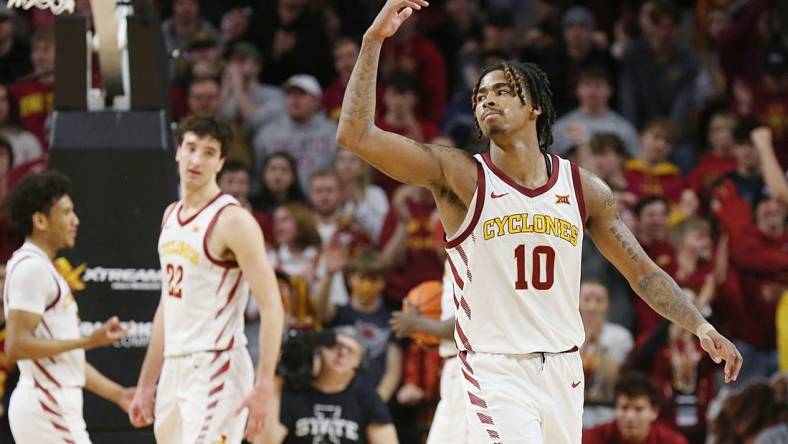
[515,219]
[42,329]
[212,253]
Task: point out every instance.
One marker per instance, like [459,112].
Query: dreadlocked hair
[525,79]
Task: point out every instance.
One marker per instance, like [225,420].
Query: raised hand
[393,14]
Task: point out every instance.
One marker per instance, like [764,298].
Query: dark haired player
[212,253]
[515,219]
[42,330]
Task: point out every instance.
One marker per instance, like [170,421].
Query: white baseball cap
[304,82]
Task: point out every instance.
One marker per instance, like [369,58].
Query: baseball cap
[304,82]
[578,15]
[6,12]
[203,40]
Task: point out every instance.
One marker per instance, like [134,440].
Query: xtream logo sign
[138,279]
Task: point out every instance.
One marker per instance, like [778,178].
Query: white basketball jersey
[204,297]
[515,261]
[55,303]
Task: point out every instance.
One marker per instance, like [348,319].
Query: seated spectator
[367,313]
[293,39]
[279,183]
[234,25]
[719,160]
[603,353]
[33,96]
[345,55]
[593,91]
[765,99]
[658,76]
[296,242]
[401,103]
[747,176]
[364,202]
[333,224]
[411,51]
[652,231]
[25,145]
[246,100]
[234,179]
[759,253]
[184,25]
[304,131]
[609,156]
[637,409]
[651,173]
[205,56]
[14,53]
[409,244]
[335,407]
[754,414]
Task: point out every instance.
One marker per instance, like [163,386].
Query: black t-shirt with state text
[314,417]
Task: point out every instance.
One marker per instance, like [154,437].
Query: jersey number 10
[538,280]
[174,279]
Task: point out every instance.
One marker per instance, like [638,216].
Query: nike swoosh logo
[496,196]
[575,384]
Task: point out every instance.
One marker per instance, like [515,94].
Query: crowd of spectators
[681,107]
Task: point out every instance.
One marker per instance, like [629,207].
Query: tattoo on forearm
[625,239]
[358,106]
[663,295]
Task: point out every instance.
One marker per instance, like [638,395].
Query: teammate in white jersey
[212,253]
[42,329]
[515,218]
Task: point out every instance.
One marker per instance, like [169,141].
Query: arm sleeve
[31,287]
[371,403]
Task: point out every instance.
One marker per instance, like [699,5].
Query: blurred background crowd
[680,106]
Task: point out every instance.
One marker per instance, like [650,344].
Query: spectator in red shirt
[760,254]
[34,94]
[637,408]
[345,55]
[409,243]
[652,233]
[651,173]
[719,159]
[746,178]
[401,116]
[409,50]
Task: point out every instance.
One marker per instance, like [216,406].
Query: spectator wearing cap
[594,90]
[579,47]
[205,53]
[14,54]
[766,99]
[658,77]
[304,131]
[185,25]
[246,100]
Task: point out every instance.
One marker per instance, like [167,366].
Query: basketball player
[42,330]
[212,252]
[448,423]
[516,218]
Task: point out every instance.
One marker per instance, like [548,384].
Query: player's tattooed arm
[404,159]
[617,243]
